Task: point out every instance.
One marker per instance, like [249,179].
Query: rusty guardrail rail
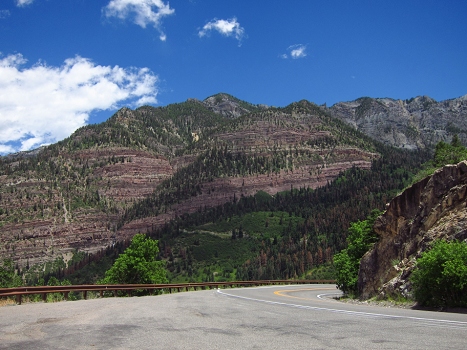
[18,292]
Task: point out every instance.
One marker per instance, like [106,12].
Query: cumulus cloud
[229,28]
[295,51]
[42,104]
[21,3]
[142,12]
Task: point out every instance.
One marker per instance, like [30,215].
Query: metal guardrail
[18,292]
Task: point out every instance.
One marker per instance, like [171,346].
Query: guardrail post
[85,294]
[44,297]
[101,293]
[18,299]
[115,293]
[65,295]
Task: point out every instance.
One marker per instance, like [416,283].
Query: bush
[8,276]
[360,239]
[441,276]
[326,271]
[138,264]
[346,272]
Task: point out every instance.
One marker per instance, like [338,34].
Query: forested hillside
[293,231]
[230,189]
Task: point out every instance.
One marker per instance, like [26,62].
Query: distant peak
[220,97]
[425,98]
[421,99]
[229,106]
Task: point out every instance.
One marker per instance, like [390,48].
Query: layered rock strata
[434,208]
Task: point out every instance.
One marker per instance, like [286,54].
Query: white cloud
[4,14]
[21,3]
[295,51]
[143,12]
[229,28]
[6,149]
[41,104]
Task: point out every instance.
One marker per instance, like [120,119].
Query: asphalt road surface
[274,317]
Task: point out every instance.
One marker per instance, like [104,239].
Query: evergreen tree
[449,153]
[8,276]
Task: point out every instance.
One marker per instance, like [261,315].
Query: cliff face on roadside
[434,208]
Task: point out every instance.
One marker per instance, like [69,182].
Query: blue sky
[68,63]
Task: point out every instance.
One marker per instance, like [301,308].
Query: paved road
[285,317]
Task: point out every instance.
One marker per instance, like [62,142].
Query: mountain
[417,123]
[230,106]
[431,209]
[142,169]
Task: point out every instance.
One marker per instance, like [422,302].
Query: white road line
[324,296]
[426,321]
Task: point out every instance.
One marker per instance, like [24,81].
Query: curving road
[275,317]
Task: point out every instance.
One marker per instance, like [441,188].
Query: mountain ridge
[74,194]
[416,123]
[143,168]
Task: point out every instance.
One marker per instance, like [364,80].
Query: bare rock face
[229,106]
[413,124]
[434,208]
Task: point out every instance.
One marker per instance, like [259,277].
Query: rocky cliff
[229,106]
[434,208]
[416,123]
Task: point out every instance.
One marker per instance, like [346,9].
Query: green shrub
[441,275]
[360,239]
[8,276]
[138,264]
[326,271]
[346,272]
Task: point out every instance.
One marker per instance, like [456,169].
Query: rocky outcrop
[414,124]
[434,208]
[229,106]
